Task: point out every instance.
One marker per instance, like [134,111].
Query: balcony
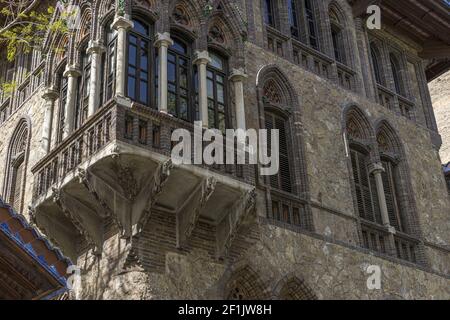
[117,167]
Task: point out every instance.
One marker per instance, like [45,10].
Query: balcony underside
[125,183]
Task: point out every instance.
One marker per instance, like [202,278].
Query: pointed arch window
[337,36]
[282,180]
[83,89]
[294,22]
[269,13]
[396,73]
[140,57]
[376,64]
[312,24]
[15,166]
[217,78]
[108,65]
[365,186]
[179,77]
[62,108]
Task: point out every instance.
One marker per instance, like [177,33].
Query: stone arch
[245,284]
[104,7]
[293,287]
[149,5]
[57,55]
[16,164]
[87,24]
[356,125]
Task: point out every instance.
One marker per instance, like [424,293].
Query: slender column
[95,50]
[72,73]
[122,25]
[163,42]
[50,97]
[202,59]
[377,169]
[238,77]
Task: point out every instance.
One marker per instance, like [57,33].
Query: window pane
[171,72]
[183,78]
[179,47]
[220,94]
[183,108]
[132,55]
[216,61]
[131,87]
[172,104]
[210,89]
[143,91]
[221,123]
[211,120]
[140,27]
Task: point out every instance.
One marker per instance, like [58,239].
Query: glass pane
[144,60]
[220,94]
[183,78]
[131,71]
[144,76]
[211,120]
[172,104]
[183,62]
[216,61]
[143,91]
[179,47]
[221,124]
[171,58]
[210,89]
[183,108]
[210,74]
[171,72]
[132,39]
[221,108]
[172,88]
[140,27]
[132,55]
[131,87]
[219,78]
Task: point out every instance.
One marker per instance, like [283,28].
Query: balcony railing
[140,126]
[377,238]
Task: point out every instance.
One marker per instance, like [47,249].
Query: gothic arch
[87,24]
[57,56]
[245,284]
[104,8]
[390,146]
[357,125]
[16,164]
[293,287]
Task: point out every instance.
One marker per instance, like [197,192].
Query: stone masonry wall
[440,94]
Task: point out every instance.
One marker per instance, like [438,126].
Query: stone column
[122,25]
[163,42]
[72,73]
[377,169]
[95,50]
[50,97]
[202,59]
[238,77]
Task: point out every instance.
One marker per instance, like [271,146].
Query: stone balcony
[117,168]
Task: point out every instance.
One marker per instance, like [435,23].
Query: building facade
[87,140]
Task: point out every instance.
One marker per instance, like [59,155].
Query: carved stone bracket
[239,214]
[149,194]
[189,213]
[84,218]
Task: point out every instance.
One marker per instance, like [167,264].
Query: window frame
[224,73]
[150,63]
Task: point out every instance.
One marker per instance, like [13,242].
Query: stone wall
[440,94]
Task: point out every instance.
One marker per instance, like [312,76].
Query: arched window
[179,77]
[376,64]
[83,88]
[217,78]
[62,107]
[337,35]
[294,22]
[365,186]
[282,180]
[108,65]
[15,166]
[395,66]
[140,55]
[312,24]
[269,13]
[391,177]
